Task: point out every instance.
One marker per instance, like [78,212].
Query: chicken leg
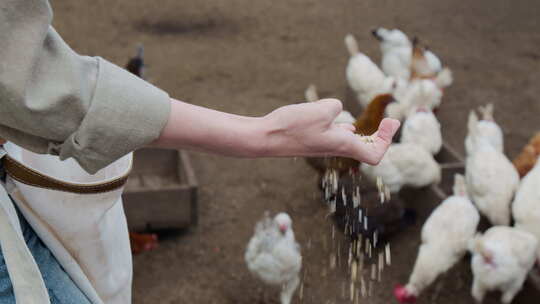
[288,290]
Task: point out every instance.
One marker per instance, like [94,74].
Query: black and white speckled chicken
[273,255]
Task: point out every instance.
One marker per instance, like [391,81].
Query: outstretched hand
[307,129]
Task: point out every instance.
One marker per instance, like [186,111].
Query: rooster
[502,257]
[445,237]
[273,255]
[526,160]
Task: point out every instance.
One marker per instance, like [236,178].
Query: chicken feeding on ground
[526,160]
[364,76]
[405,164]
[492,180]
[502,257]
[396,49]
[367,123]
[273,255]
[445,237]
[359,210]
[526,205]
[136,64]
[422,128]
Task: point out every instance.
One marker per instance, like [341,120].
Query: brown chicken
[142,242]
[366,123]
[526,160]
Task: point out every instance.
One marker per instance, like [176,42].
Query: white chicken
[422,128]
[405,164]
[502,257]
[364,76]
[418,93]
[492,180]
[424,63]
[445,237]
[526,206]
[396,49]
[343,117]
[486,128]
[273,255]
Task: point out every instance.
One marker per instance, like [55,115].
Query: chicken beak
[283,228]
[376,35]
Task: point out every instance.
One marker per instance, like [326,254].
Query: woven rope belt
[31,177]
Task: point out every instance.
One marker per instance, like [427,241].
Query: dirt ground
[249,57]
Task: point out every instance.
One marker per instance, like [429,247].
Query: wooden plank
[161,192]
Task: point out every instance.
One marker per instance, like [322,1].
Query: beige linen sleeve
[53,100]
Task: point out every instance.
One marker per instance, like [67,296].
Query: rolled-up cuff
[126,113]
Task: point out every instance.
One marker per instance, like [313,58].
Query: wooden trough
[161,192]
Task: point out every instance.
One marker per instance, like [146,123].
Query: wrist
[260,143]
[272,138]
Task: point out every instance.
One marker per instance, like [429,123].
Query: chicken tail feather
[311,93]
[352,45]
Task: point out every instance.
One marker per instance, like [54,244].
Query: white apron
[87,233]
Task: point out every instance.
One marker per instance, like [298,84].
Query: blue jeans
[61,288]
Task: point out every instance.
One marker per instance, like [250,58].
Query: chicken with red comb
[403,295]
[445,238]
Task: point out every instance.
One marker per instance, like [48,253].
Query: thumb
[387,129]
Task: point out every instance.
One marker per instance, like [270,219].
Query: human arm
[305,129]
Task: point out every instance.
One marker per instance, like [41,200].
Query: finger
[346,126]
[387,129]
[331,106]
[2,141]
